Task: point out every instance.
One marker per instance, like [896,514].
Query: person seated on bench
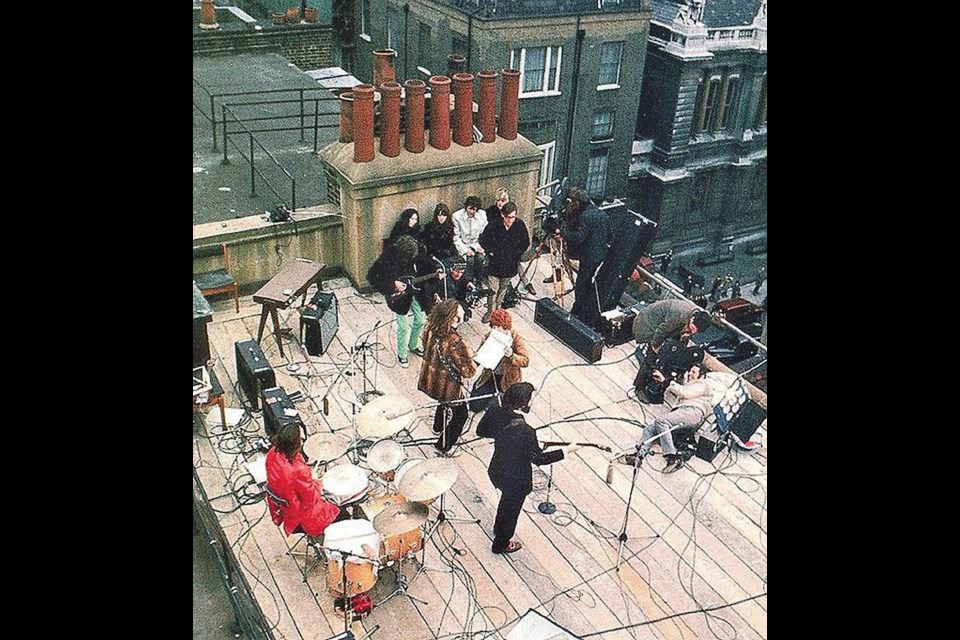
[695,402]
[289,478]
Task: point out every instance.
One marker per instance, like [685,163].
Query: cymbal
[385,416]
[385,455]
[326,446]
[400,518]
[429,479]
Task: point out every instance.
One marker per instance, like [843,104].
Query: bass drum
[359,538]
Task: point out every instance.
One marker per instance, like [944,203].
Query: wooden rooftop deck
[696,538]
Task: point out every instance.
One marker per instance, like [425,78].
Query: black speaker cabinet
[585,342]
[276,403]
[618,329]
[708,445]
[253,371]
[319,323]
[631,233]
[747,420]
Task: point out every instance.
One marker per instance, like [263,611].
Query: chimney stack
[463,109]
[390,119]
[456,63]
[413,140]
[363,123]
[440,112]
[383,67]
[208,15]
[346,116]
[487,105]
[509,104]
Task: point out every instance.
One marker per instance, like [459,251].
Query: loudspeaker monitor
[631,233]
[585,342]
[747,420]
[319,322]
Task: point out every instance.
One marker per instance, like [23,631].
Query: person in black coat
[504,241]
[407,225]
[588,238]
[515,449]
[437,235]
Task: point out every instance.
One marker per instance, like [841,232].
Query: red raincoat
[304,495]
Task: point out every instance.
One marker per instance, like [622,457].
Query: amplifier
[319,323]
[709,445]
[631,233]
[253,371]
[584,341]
[276,402]
[202,314]
[747,420]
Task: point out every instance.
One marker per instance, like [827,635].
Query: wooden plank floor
[696,539]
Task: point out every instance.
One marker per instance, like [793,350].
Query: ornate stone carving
[691,12]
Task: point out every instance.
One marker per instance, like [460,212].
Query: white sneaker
[403,362]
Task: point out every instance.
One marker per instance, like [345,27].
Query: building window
[602,125]
[547,159]
[706,103]
[539,70]
[425,49]
[393,34]
[610,64]
[728,109]
[761,119]
[365,18]
[597,173]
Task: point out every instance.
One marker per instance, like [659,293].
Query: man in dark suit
[588,237]
[515,448]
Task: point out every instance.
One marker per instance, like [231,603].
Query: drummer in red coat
[289,478]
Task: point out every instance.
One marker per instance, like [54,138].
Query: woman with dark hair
[447,366]
[407,225]
[289,478]
[437,235]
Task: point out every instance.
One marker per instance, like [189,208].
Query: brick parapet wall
[307,46]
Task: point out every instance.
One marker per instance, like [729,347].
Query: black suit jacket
[590,240]
[515,449]
[494,420]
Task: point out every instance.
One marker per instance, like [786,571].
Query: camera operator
[587,234]
[673,361]
[661,320]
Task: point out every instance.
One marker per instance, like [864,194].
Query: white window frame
[363,21]
[613,120]
[615,84]
[726,116]
[606,172]
[555,91]
[547,161]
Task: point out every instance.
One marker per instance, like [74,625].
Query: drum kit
[388,499]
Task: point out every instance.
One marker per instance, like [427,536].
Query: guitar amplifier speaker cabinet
[319,323]
[747,420]
[202,315]
[253,371]
[617,329]
[708,445]
[585,342]
[276,402]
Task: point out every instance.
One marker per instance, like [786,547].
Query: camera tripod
[559,266]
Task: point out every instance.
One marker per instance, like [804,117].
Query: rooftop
[695,539]
[507,9]
[717,14]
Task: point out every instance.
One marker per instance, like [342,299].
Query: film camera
[673,361]
[551,218]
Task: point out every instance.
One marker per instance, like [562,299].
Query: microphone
[609,479]
[394,416]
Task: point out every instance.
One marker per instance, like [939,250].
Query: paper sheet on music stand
[491,351]
[233,417]
[201,381]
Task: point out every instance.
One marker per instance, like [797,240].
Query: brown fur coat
[435,379]
[511,365]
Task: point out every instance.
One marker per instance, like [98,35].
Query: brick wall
[307,46]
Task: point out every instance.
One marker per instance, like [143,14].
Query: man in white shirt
[468,223]
[695,402]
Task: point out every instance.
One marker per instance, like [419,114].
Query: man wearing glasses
[504,242]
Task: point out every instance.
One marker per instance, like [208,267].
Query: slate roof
[716,13]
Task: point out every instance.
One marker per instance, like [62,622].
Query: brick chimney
[463,109]
[346,116]
[487,105]
[456,63]
[383,66]
[509,104]
[414,140]
[363,123]
[390,119]
[440,112]
[208,15]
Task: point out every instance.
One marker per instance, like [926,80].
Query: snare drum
[356,537]
[345,484]
[384,457]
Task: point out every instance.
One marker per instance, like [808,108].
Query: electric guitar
[412,281]
[582,444]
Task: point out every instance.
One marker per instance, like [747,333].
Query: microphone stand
[546,507]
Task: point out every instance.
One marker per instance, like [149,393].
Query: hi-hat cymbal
[385,455]
[400,518]
[326,446]
[429,479]
[385,416]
